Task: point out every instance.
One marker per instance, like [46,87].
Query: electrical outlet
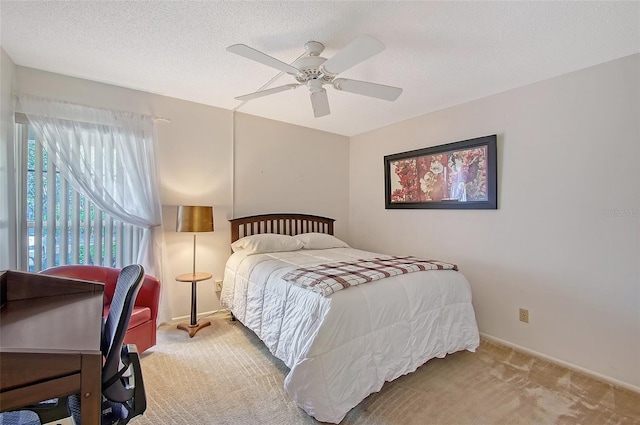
[524,315]
[218,285]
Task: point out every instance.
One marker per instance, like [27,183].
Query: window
[58,224]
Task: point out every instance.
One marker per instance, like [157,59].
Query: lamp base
[192,329]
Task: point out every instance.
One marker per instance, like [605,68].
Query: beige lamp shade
[194,219]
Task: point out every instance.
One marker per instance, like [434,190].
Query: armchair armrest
[149,295]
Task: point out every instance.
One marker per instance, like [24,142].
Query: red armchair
[142,326]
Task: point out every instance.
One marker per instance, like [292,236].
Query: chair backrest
[115,326]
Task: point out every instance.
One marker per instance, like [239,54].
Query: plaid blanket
[329,278]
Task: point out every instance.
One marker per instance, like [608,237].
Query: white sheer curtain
[8,235]
[109,157]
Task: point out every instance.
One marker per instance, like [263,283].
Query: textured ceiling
[440,53]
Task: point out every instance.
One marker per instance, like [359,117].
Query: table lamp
[194,219]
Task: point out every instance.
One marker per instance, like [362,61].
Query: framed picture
[460,175]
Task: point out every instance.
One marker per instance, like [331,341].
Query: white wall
[287,168]
[8,255]
[564,242]
[196,167]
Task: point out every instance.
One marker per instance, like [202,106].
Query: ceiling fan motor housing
[309,67]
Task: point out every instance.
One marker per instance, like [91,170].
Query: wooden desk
[50,341]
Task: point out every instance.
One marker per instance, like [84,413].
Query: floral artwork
[451,176]
[468,175]
[459,175]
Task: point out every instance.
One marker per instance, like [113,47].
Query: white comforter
[344,347]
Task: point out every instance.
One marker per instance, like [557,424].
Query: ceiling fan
[314,71]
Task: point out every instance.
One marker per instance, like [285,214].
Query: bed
[341,346]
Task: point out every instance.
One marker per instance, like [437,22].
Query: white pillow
[320,241]
[267,242]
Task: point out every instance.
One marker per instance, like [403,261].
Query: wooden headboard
[284,224]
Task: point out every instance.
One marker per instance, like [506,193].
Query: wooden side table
[193,326]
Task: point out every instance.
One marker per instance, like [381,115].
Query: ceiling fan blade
[358,50]
[320,103]
[367,89]
[267,92]
[253,54]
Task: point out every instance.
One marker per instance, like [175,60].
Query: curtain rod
[21,118]
[155,118]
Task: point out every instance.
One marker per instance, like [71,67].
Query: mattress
[342,347]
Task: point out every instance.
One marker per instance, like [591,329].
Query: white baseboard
[568,365]
[187,318]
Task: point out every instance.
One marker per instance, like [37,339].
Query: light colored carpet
[225,375]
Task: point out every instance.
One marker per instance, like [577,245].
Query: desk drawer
[20,369]
[35,393]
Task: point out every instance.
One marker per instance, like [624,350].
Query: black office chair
[42,413]
[19,417]
[123,395]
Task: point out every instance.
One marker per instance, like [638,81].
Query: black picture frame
[458,175]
